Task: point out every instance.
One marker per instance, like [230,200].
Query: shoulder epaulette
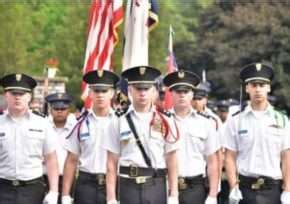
[165,112]
[210,117]
[236,113]
[39,113]
[203,115]
[280,117]
[283,112]
[119,112]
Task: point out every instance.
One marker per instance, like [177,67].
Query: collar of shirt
[92,113]
[269,110]
[68,125]
[27,115]
[133,110]
[192,113]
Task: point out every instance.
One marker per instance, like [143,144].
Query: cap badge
[100,72]
[59,96]
[181,75]
[142,70]
[258,67]
[18,77]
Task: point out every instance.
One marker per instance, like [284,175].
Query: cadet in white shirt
[257,142]
[199,142]
[223,113]
[85,141]
[141,143]
[199,103]
[61,126]
[25,144]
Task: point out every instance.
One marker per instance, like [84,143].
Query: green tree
[233,35]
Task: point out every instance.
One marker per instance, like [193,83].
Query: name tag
[84,136]
[35,130]
[125,134]
[241,132]
[275,126]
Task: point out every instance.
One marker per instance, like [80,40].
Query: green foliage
[32,31]
[219,36]
[234,34]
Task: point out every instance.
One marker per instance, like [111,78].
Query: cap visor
[143,85]
[100,88]
[18,91]
[181,88]
[59,104]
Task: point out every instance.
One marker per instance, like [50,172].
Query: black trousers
[23,194]
[88,191]
[263,196]
[193,194]
[152,191]
[223,196]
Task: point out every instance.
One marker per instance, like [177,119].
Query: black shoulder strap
[132,127]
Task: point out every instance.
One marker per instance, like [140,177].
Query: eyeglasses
[59,109]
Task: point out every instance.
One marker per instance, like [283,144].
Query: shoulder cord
[166,126]
[78,125]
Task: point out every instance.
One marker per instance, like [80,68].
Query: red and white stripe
[104,18]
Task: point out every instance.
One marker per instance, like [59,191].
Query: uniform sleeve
[72,144]
[212,142]
[229,135]
[50,142]
[112,140]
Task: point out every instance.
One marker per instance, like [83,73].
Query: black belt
[100,179]
[20,182]
[186,182]
[261,182]
[134,171]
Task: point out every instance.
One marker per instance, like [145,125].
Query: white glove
[172,200]
[66,199]
[285,197]
[112,202]
[235,195]
[50,198]
[211,200]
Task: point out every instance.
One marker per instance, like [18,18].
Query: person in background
[61,126]
[200,100]
[223,113]
[223,110]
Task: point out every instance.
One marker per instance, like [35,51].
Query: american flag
[104,18]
